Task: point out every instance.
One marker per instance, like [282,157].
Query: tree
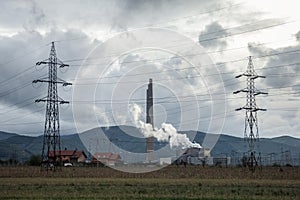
[35,160]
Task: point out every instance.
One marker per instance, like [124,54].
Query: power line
[171,97]
[231,61]
[201,13]
[164,58]
[164,99]
[20,73]
[247,31]
[12,90]
[194,67]
[187,96]
[3,94]
[20,117]
[23,55]
[84,37]
[20,102]
[243,32]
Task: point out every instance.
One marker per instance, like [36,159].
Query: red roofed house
[70,156]
[107,158]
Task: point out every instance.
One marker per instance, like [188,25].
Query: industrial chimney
[149,120]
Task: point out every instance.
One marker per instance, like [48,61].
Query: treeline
[34,160]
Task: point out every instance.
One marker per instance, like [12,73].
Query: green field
[169,183]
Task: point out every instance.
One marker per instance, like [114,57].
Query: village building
[106,158]
[74,157]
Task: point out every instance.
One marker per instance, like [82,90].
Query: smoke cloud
[167,132]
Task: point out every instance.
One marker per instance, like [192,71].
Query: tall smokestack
[149,120]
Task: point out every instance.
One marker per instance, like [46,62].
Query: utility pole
[51,153]
[251,134]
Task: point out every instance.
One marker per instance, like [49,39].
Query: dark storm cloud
[258,49]
[19,55]
[212,35]
[215,36]
[228,76]
[114,15]
[36,17]
[34,24]
[140,13]
[280,65]
[27,15]
[73,24]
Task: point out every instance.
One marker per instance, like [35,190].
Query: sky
[191,49]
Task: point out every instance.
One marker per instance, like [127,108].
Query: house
[106,158]
[70,156]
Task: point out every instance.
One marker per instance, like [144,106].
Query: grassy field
[168,183]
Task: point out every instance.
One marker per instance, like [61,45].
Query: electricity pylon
[51,153]
[251,135]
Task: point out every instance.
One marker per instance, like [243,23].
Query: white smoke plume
[166,133]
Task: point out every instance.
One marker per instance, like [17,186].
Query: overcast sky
[192,49]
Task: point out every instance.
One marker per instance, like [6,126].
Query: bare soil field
[192,182]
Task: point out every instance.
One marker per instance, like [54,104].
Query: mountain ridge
[21,147]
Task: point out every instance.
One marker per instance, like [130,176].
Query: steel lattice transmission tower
[51,142]
[251,123]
